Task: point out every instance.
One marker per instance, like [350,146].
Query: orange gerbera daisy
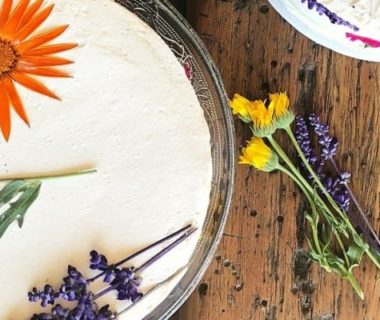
[24,55]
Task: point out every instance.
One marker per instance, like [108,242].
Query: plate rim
[182,290]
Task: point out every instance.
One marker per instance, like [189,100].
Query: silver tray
[205,78]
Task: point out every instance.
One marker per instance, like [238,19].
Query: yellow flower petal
[240,106]
[258,155]
[261,116]
[280,102]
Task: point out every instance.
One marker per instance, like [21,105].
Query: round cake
[354,23]
[129,111]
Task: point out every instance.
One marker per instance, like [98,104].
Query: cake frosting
[129,111]
[354,22]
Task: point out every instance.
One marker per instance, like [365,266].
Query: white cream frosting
[363,13]
[129,111]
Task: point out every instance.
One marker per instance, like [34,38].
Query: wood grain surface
[260,271]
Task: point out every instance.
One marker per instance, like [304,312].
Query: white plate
[318,28]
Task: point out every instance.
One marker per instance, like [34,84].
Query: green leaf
[355,253]
[15,200]
[326,237]
[9,191]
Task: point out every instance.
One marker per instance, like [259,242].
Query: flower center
[8,56]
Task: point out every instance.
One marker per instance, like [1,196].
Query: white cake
[353,22]
[129,111]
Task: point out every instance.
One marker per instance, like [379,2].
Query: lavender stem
[152,260]
[165,250]
[359,208]
[105,291]
[141,252]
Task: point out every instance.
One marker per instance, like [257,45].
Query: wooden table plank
[259,272]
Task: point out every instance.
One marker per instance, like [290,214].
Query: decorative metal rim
[207,83]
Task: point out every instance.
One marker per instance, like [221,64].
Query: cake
[355,23]
[130,112]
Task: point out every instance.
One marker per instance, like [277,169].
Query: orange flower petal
[44,61]
[51,49]
[5,114]
[44,72]
[29,13]
[33,84]
[41,39]
[32,25]
[15,99]
[5,10]
[15,18]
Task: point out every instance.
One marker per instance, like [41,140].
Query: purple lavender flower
[331,185]
[74,285]
[98,261]
[329,146]
[337,186]
[124,281]
[46,296]
[320,128]
[343,199]
[303,139]
[345,177]
[333,17]
[85,310]
[34,295]
[105,313]
[126,284]
[60,312]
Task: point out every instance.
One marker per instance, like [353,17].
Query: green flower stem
[313,210]
[289,163]
[289,131]
[51,176]
[355,284]
[283,155]
[344,217]
[341,245]
[330,217]
[350,277]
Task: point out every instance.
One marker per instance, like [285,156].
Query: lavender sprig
[338,187]
[138,253]
[131,274]
[361,222]
[333,185]
[333,17]
[46,296]
[125,281]
[329,144]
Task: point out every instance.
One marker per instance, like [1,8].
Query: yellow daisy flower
[259,155]
[261,116]
[280,104]
[240,107]
[265,120]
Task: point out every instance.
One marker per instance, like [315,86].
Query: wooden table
[260,270]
